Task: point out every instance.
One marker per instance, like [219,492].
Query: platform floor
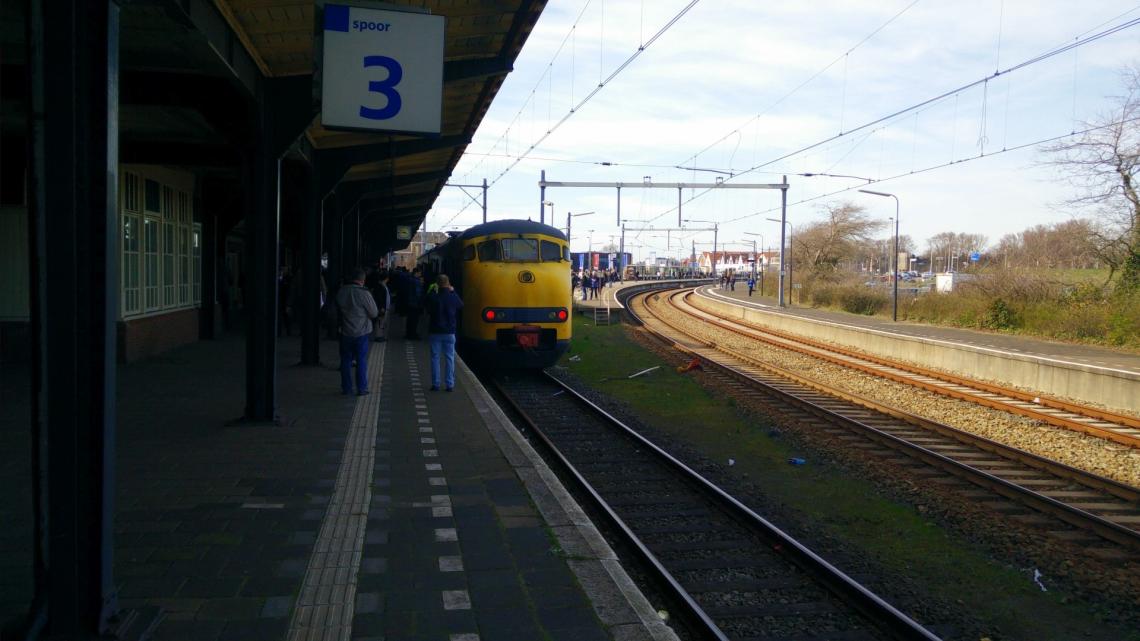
[404,514]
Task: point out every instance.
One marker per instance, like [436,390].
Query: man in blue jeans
[443,307]
[357,310]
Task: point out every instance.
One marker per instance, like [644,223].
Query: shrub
[863,301]
[823,296]
[999,315]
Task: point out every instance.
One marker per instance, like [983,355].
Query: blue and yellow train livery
[514,278]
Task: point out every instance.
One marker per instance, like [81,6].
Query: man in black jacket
[443,312]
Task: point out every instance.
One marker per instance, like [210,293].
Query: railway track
[1093,511]
[1113,426]
[736,575]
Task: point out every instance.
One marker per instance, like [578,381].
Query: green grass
[894,535]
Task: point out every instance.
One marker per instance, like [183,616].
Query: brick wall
[143,337]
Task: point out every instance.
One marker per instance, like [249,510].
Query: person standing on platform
[443,307]
[751,285]
[383,304]
[414,301]
[357,310]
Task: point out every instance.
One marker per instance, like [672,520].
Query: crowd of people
[360,313]
[592,282]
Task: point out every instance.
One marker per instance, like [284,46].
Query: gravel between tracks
[1082,451]
[1115,586]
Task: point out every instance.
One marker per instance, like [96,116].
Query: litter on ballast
[1037,576]
[575,358]
[644,371]
[561,391]
[796,461]
[731,462]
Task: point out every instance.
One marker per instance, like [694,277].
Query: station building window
[161,247]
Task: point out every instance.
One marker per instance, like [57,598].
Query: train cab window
[566,253]
[520,249]
[469,252]
[489,251]
[551,252]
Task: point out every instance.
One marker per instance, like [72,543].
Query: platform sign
[381,70]
[403,232]
[975,257]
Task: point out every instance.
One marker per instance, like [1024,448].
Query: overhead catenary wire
[803,84]
[574,109]
[1041,141]
[926,103]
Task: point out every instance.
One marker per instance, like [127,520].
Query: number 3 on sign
[386,87]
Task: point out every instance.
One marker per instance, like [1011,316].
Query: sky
[749,92]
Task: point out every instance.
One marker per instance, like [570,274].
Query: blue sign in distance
[975,257]
[382,70]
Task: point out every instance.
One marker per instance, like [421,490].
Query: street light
[568,217]
[895,260]
[755,259]
[716,230]
[542,212]
[810,175]
[791,233]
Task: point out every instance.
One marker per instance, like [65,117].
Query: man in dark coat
[443,306]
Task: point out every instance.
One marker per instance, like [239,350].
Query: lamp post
[542,212]
[716,230]
[570,216]
[895,260]
[756,259]
[791,233]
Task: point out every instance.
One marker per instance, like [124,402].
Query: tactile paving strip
[324,607]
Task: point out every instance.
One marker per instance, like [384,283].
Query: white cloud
[726,62]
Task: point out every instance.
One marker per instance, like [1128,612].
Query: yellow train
[514,279]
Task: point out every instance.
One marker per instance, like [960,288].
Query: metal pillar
[73,50]
[716,229]
[783,222]
[309,299]
[542,197]
[209,253]
[263,222]
[485,200]
[621,254]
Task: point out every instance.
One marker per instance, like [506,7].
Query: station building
[164,167]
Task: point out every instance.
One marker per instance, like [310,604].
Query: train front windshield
[521,250]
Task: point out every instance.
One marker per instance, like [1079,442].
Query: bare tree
[821,246]
[949,249]
[1101,164]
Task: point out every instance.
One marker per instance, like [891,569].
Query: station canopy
[190,70]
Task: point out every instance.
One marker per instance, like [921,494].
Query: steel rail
[850,358]
[1047,401]
[677,592]
[895,622]
[1108,530]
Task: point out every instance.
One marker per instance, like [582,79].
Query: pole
[619,205]
[568,228]
[484,200]
[895,312]
[715,226]
[621,255]
[679,206]
[542,197]
[791,253]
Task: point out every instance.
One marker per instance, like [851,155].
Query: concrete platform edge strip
[326,603]
[611,591]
